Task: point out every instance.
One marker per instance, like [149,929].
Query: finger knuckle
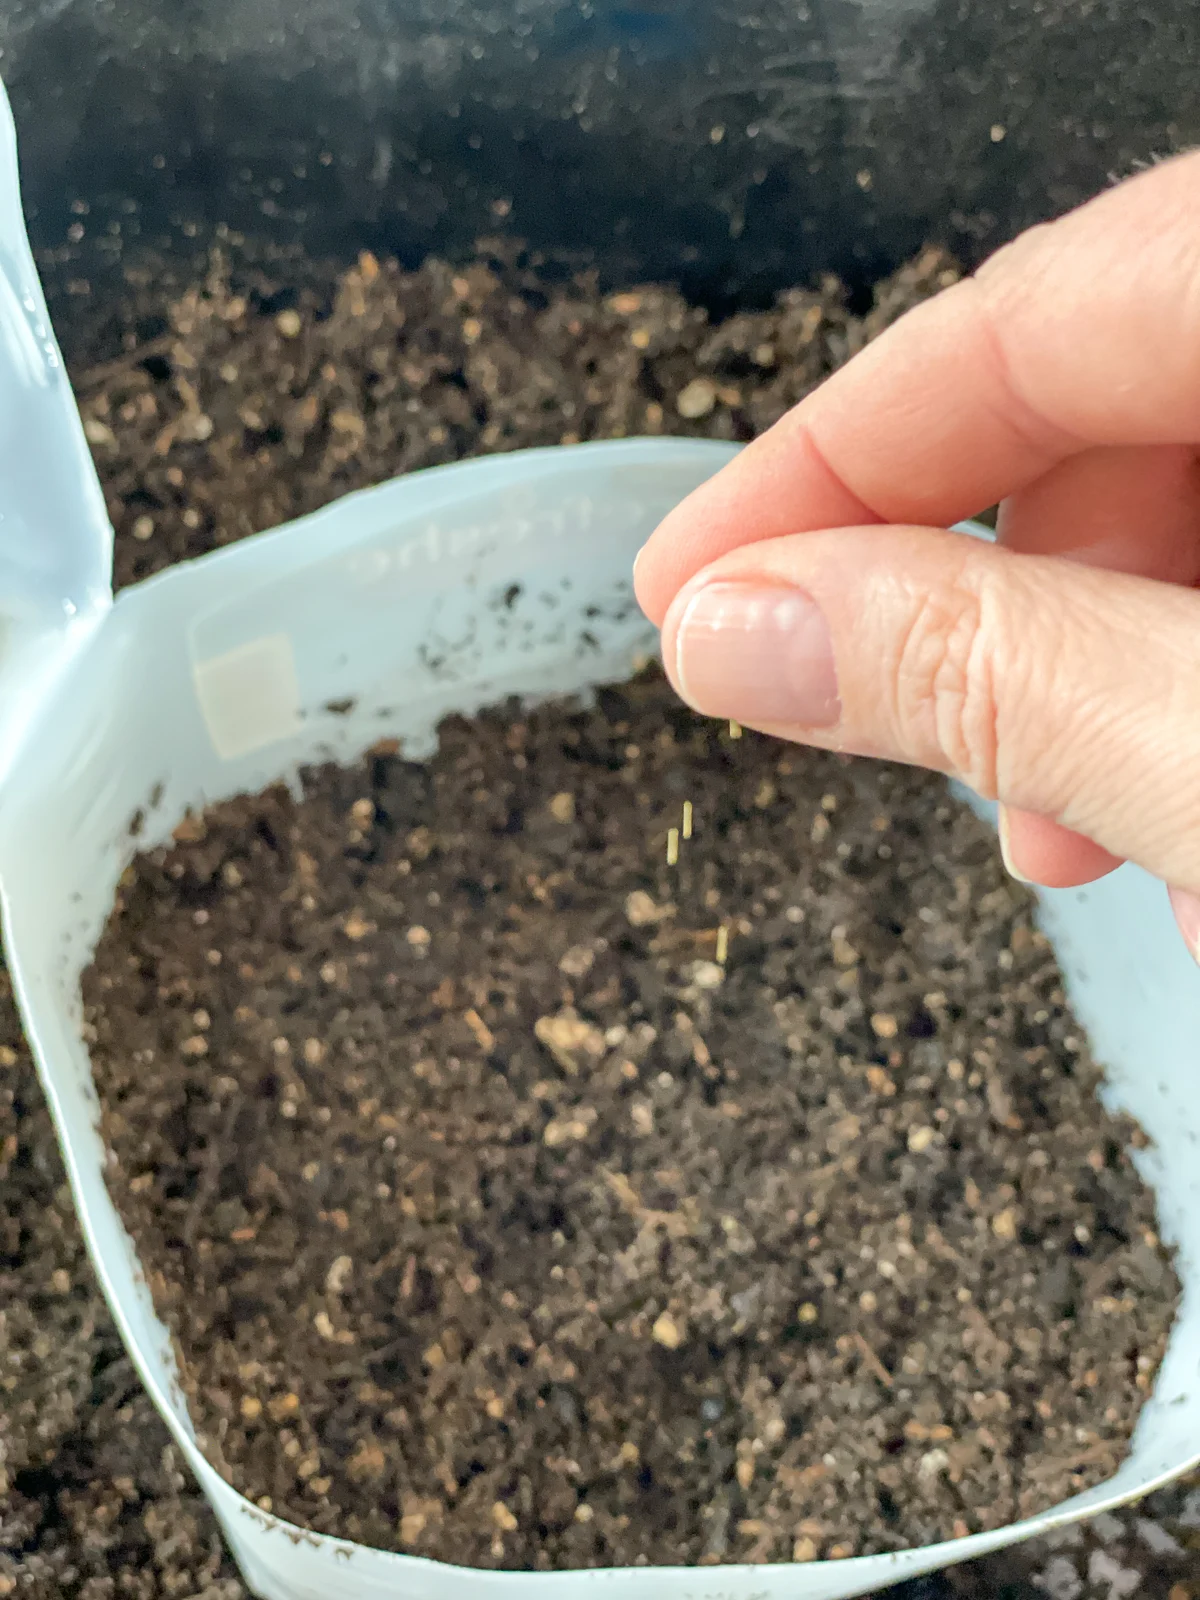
[945,684]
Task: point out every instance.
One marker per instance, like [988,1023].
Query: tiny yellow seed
[672,846]
[722,944]
[735,730]
[687,819]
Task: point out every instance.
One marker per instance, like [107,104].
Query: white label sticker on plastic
[249,697]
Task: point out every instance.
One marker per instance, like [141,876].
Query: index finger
[1083,332]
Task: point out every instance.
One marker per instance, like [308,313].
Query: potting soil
[499,1219]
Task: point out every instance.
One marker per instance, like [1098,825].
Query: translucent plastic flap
[55,537]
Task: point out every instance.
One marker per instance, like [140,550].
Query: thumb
[1057,688]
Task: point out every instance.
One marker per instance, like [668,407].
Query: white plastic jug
[218,677]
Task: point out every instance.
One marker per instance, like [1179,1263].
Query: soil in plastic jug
[92,1496]
[498,1220]
[83,1449]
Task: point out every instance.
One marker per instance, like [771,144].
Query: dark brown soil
[259,403]
[80,1445]
[497,1221]
[93,1504]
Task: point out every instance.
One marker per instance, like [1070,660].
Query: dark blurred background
[734,146]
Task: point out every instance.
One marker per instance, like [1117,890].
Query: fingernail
[1186,907]
[761,655]
[1003,828]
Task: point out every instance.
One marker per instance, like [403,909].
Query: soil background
[93,1500]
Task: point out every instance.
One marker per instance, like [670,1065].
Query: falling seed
[735,730]
[722,944]
[672,846]
[687,819]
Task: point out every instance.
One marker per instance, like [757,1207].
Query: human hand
[810,590]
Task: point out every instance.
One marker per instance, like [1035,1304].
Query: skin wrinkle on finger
[941,675]
[964,693]
[1069,366]
[1026,676]
[1125,509]
[761,479]
[991,701]
[1043,435]
[837,487]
